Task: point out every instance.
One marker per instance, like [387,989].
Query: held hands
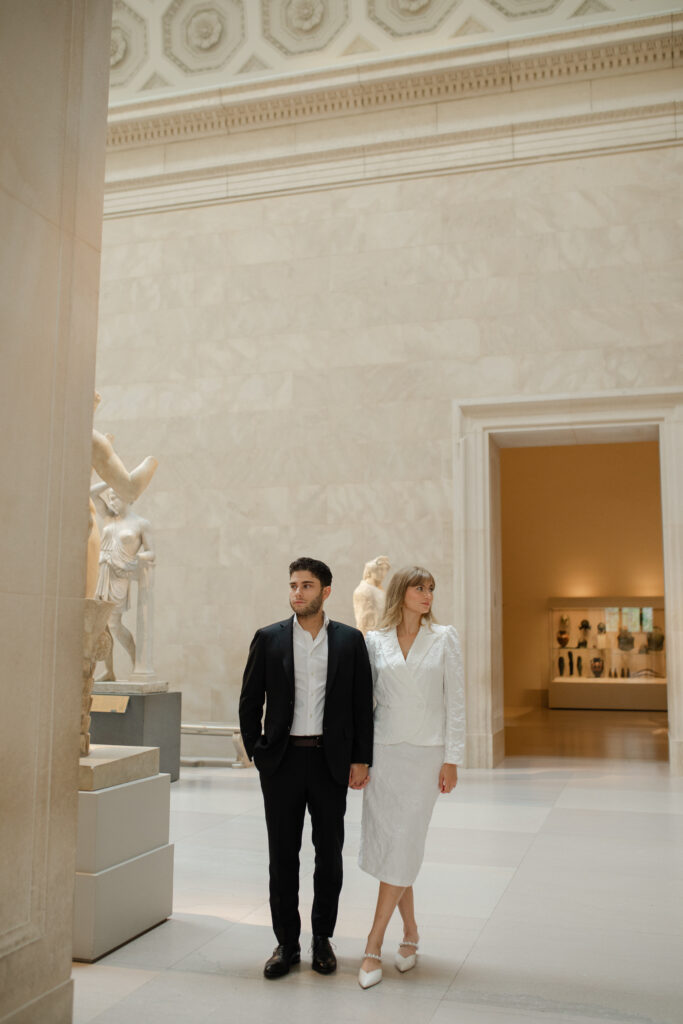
[359,776]
[448,778]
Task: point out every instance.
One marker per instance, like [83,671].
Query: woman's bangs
[421,576]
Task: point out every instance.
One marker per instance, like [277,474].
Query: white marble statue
[97,642]
[368,597]
[130,486]
[126,554]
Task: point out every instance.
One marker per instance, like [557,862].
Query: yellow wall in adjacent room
[578,521]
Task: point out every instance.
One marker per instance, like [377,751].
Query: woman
[419,741]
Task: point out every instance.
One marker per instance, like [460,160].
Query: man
[316,740]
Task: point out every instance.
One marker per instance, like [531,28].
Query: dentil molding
[514,69]
[479,70]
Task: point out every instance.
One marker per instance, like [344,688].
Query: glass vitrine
[607,653]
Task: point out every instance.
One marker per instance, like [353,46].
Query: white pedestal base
[127,686]
[114,906]
[108,765]
[124,862]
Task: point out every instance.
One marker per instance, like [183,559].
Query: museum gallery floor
[551,891]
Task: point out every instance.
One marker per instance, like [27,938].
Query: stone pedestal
[124,862]
[139,719]
[128,686]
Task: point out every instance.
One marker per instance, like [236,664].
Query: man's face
[306,593]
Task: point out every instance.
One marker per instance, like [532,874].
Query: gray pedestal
[140,720]
[124,862]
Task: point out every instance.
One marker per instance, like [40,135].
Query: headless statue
[368,597]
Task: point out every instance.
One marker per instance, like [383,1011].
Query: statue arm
[96,492]
[111,469]
[146,552]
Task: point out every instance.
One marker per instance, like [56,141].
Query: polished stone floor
[615,734]
[552,891]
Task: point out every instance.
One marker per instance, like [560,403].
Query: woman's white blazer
[419,699]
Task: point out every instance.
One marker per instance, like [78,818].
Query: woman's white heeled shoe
[366,979]
[406,963]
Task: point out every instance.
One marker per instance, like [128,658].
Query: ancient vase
[597,666]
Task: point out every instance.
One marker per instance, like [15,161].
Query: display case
[607,653]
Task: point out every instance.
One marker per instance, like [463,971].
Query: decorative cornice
[477,149]
[485,69]
[154,165]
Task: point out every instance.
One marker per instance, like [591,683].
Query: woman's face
[116,504]
[419,598]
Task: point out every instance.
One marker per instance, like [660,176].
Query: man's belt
[306,741]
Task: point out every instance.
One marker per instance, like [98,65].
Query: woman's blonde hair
[411,576]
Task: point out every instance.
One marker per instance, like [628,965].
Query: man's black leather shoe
[282,959]
[324,961]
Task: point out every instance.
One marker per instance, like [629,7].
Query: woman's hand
[448,778]
[359,776]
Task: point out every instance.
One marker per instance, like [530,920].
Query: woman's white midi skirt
[397,807]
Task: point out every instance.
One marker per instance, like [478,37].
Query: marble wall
[53,61]
[292,361]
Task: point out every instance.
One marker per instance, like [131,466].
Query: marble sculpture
[97,641]
[368,597]
[126,554]
[130,486]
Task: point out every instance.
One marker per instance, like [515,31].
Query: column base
[675,756]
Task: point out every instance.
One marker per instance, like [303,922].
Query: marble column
[54,61]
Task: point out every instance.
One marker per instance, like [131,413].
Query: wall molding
[152,145]
[600,133]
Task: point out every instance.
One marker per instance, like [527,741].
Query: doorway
[581,522]
[481,428]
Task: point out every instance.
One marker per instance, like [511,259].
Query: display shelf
[589,665]
[608,694]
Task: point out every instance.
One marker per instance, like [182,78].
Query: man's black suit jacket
[269,678]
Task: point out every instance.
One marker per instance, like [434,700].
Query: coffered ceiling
[175,46]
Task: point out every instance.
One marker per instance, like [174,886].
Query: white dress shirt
[310,679]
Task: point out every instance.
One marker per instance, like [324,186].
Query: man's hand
[448,778]
[359,776]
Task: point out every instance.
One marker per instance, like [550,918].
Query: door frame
[481,427]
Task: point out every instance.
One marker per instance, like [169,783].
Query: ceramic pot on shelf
[597,666]
[625,639]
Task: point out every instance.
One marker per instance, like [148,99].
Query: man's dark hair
[322,572]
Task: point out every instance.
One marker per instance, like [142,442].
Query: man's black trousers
[302,780]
